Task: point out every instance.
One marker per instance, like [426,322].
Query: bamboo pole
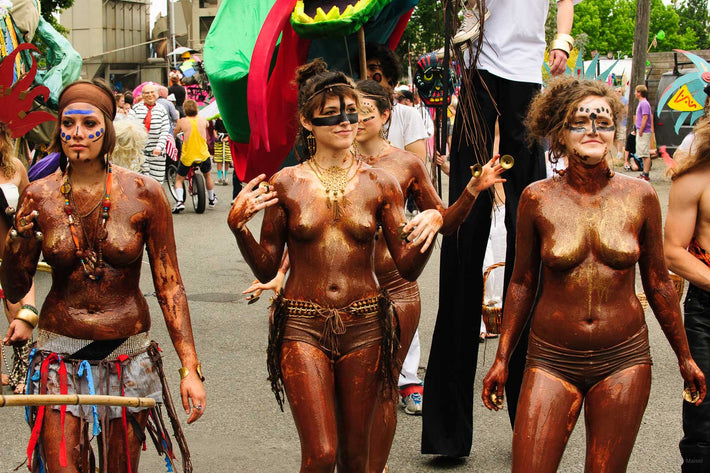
[362,56]
[74,400]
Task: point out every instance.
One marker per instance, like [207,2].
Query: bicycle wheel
[170,176]
[199,198]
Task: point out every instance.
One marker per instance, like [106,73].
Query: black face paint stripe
[337,119]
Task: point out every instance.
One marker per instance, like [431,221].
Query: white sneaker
[179,207]
[470,26]
[212,202]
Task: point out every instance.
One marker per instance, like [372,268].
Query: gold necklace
[334,179]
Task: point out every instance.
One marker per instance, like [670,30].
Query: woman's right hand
[694,379]
[494,383]
[250,200]
[258,287]
[19,331]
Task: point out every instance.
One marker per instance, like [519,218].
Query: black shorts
[205,167]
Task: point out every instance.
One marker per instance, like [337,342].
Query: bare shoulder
[694,181]
[131,182]
[543,188]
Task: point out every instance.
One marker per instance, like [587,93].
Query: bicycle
[193,186]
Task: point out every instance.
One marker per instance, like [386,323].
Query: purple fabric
[44,167]
[644,108]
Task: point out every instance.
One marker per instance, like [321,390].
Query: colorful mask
[429,80]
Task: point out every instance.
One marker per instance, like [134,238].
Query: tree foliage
[50,7]
[604,25]
[610,24]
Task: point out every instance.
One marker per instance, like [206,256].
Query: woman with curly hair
[334,334]
[13,180]
[580,235]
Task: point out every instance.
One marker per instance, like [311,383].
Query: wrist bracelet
[565,37]
[27,316]
[184,372]
[31,307]
[560,45]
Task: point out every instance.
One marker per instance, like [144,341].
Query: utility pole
[638,64]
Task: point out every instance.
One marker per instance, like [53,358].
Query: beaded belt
[307,309]
[61,344]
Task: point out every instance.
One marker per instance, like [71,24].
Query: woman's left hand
[694,379]
[422,229]
[19,331]
[192,390]
[490,175]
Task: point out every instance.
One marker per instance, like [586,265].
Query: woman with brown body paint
[414,181]
[333,362]
[96,220]
[582,232]
[13,180]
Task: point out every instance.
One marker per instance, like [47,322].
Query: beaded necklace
[334,179]
[92,259]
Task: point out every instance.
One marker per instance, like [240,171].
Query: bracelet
[560,45]
[184,372]
[565,37]
[31,307]
[27,316]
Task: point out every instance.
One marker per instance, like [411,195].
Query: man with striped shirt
[157,124]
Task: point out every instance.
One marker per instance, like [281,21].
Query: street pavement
[243,429]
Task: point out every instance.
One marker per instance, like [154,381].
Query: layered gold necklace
[335,179]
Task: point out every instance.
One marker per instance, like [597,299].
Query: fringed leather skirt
[336,331]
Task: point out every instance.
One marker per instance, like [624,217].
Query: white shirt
[514,40]
[405,126]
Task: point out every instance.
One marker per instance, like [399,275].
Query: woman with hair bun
[580,236]
[92,222]
[334,334]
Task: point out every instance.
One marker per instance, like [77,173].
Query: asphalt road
[244,431]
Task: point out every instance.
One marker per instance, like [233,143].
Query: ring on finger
[198,407]
[23,221]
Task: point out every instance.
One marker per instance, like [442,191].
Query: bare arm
[565,19]
[20,256]
[170,292]
[519,297]
[683,200]
[264,257]
[407,257]
[662,296]
[419,148]
[426,196]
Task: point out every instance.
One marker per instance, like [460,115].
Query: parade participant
[581,233]
[222,152]
[93,327]
[333,339]
[194,149]
[13,180]
[177,90]
[414,181]
[405,130]
[687,235]
[644,130]
[157,124]
[498,87]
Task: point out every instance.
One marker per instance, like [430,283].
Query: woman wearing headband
[334,335]
[92,221]
[580,235]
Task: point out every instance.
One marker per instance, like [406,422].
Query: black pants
[695,445]
[448,390]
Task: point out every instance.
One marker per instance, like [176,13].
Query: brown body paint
[587,231]
[414,181]
[332,265]
[114,306]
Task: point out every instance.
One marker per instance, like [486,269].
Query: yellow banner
[683,101]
